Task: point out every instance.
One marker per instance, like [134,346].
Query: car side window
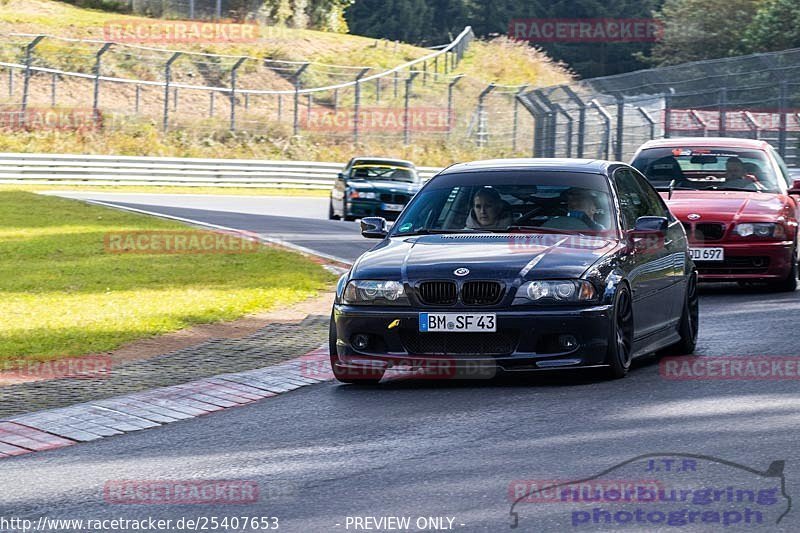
[782,165]
[655,202]
[632,200]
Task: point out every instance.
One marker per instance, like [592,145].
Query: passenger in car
[489,211]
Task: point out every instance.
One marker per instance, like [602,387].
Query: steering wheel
[560,211]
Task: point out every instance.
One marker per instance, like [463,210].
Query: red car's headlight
[763,230]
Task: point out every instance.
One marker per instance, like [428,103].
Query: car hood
[495,256]
[728,206]
[385,185]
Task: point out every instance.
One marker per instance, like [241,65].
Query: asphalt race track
[327,452]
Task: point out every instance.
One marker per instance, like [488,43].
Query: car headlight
[363,195]
[375,292]
[567,290]
[760,229]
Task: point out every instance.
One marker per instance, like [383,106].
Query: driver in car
[581,205]
[736,175]
[489,211]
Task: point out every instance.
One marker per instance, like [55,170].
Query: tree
[776,26]
[701,29]
[403,20]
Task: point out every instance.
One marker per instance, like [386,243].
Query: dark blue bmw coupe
[519,265]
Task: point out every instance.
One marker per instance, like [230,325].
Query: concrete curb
[84,422]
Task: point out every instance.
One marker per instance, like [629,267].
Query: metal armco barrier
[48,169]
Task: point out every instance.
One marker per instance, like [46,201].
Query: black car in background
[519,265]
[372,186]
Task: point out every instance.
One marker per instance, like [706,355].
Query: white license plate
[393,207]
[458,322]
[707,254]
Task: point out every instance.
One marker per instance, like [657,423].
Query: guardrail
[51,169]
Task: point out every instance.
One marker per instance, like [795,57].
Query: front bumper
[369,208]
[526,339]
[747,261]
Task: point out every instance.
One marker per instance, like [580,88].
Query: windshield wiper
[427,231]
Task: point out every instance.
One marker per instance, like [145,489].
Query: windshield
[384,172]
[708,168]
[552,202]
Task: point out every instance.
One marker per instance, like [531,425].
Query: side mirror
[374,227]
[795,188]
[651,224]
[340,176]
[648,234]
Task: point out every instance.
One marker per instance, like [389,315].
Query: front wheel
[620,346]
[365,376]
[689,324]
[789,283]
[331,214]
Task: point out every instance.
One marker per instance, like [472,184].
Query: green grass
[63,295]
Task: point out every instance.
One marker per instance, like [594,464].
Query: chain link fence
[755,96]
[118,86]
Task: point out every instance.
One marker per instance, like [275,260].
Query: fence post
[436,68]
[406,122]
[167,77]
[234,71]
[516,117]
[450,88]
[280,108]
[98,58]
[219,9]
[138,98]
[784,91]
[668,112]
[10,82]
[650,121]
[550,124]
[296,76]
[27,79]
[538,113]
[581,117]
[335,100]
[620,126]
[424,73]
[377,90]
[569,119]
[211,98]
[53,82]
[191,10]
[357,103]
[175,99]
[482,129]
[723,115]
[607,121]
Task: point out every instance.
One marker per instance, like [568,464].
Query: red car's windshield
[708,169]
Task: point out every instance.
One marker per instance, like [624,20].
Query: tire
[620,349]
[689,324]
[331,214]
[789,283]
[345,216]
[346,375]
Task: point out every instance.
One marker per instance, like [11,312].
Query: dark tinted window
[634,200]
[707,167]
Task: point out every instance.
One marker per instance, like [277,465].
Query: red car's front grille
[704,231]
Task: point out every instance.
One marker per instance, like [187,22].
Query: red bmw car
[737,202]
